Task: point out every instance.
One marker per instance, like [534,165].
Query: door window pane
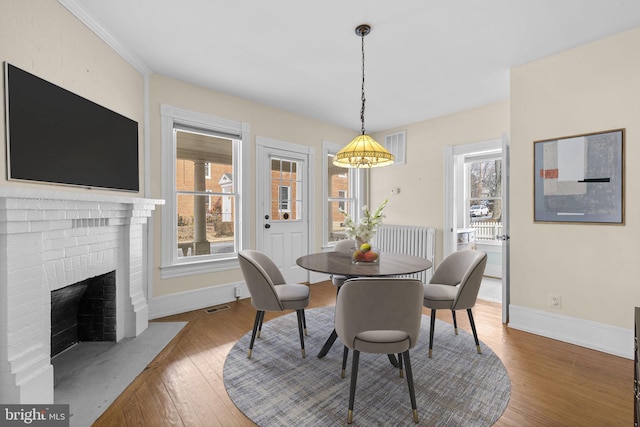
[286,197]
[283,198]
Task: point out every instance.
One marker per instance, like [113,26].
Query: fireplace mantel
[50,239]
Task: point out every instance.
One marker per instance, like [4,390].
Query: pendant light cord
[362,34]
[363,151]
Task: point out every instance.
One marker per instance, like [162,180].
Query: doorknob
[266,217]
[267,226]
[504,237]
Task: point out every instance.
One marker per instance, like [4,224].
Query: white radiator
[410,240]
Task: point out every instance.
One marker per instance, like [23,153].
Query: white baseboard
[493,271]
[585,333]
[182,302]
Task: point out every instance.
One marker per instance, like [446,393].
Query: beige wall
[265,122]
[43,38]
[591,88]
[421,180]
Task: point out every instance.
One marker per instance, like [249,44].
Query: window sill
[198,267]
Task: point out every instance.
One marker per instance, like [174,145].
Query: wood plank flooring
[552,383]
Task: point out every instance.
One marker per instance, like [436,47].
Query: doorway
[476,210]
[283,204]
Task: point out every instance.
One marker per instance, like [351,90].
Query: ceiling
[423,58]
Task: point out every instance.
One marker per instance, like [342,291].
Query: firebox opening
[84,311]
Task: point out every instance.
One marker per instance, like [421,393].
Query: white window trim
[356,188]
[170,116]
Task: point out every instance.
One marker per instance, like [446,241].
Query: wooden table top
[389,264]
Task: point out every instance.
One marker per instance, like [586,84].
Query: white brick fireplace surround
[52,239]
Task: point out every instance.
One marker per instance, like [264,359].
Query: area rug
[277,387]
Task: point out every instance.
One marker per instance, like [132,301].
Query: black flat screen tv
[55,136]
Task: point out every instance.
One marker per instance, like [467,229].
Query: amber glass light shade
[363,152]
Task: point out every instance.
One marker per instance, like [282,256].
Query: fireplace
[84,311]
[50,240]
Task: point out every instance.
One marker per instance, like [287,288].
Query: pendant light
[363,151]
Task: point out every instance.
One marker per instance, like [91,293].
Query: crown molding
[94,25]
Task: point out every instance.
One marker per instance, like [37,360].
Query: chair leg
[304,322]
[400,365]
[431,329]
[260,324]
[256,323]
[393,360]
[412,392]
[455,322]
[300,314]
[473,328]
[354,379]
[345,355]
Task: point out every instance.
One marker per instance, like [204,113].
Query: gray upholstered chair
[454,286]
[343,246]
[379,315]
[269,292]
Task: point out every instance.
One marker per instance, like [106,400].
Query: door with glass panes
[283,209]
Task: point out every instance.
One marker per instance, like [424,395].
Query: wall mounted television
[55,136]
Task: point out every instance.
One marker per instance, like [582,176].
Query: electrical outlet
[555,301]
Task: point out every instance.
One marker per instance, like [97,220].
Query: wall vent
[396,144]
[216,309]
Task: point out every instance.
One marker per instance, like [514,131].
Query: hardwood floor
[552,383]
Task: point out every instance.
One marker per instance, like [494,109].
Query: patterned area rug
[277,387]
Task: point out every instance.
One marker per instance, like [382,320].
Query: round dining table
[389,264]
[340,263]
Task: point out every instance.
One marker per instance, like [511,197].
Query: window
[198,200]
[484,196]
[203,188]
[342,189]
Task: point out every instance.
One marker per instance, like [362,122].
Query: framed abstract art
[580,179]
